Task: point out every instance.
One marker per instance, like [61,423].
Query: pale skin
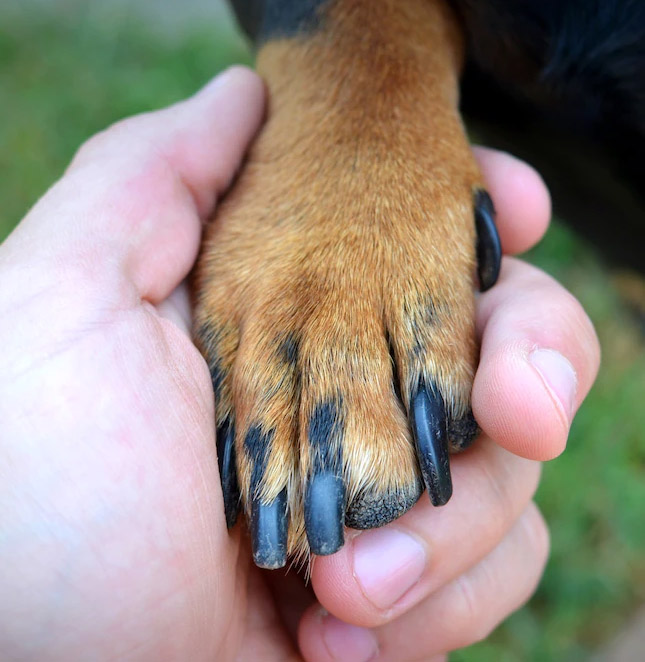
[113,542]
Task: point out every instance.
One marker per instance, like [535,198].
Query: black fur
[258,446]
[288,349]
[561,83]
[267,19]
[325,433]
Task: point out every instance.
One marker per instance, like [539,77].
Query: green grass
[62,80]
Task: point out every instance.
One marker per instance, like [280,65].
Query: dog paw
[338,327]
[334,299]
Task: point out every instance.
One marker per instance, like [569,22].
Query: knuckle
[508,482]
[129,147]
[478,601]
[102,141]
[470,623]
[537,534]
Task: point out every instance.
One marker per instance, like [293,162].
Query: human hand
[114,544]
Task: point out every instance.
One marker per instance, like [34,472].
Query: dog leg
[335,287]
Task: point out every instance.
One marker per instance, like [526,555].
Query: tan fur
[352,222]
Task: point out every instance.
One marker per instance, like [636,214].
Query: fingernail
[558,375]
[345,642]
[387,564]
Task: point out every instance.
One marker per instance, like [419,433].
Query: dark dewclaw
[325,492]
[228,471]
[489,247]
[428,421]
[269,522]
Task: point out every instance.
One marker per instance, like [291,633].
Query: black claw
[325,513]
[428,421]
[489,247]
[268,520]
[228,471]
[269,532]
[325,491]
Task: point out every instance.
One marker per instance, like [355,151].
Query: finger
[459,614]
[520,196]
[469,608]
[324,638]
[132,199]
[539,358]
[381,573]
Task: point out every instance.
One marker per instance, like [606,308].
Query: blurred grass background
[71,67]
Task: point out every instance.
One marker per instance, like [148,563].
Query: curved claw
[489,247]
[269,532]
[428,419]
[325,513]
[228,471]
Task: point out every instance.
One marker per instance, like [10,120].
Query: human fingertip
[387,563]
[346,642]
[517,407]
[337,641]
[213,131]
[521,198]
[236,74]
